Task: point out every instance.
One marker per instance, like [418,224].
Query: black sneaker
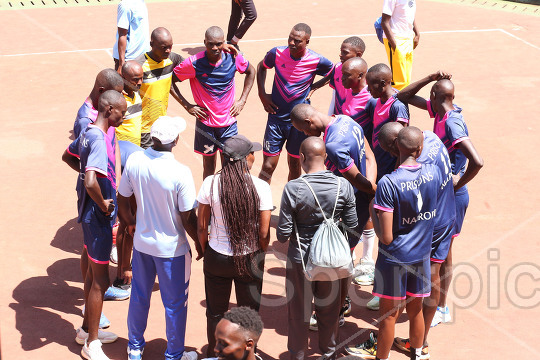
[235,45]
[347,307]
[119,283]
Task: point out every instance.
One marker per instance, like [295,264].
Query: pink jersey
[340,93]
[213,84]
[355,106]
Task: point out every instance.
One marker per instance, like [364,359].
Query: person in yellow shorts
[401,36]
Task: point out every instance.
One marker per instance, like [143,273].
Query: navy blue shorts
[362,211]
[98,239]
[208,140]
[127,148]
[277,133]
[442,239]
[462,203]
[397,281]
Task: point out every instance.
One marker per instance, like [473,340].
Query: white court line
[518,38]
[283,39]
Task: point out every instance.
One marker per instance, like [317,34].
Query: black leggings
[250,14]
[219,274]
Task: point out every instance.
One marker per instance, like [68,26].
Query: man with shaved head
[295,69]
[450,127]
[433,152]
[351,47]
[157,65]
[90,156]
[106,80]
[403,213]
[385,109]
[129,140]
[132,35]
[211,77]
[300,209]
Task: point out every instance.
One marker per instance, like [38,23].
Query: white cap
[166,128]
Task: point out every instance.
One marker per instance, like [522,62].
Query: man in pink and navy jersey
[466,162]
[404,212]
[385,109]
[433,152]
[295,68]
[92,156]
[350,48]
[357,98]
[211,77]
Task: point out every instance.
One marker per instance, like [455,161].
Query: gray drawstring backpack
[329,253]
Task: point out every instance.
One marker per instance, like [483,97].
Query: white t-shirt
[163,188]
[219,237]
[402,14]
[132,16]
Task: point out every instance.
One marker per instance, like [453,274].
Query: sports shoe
[366,350]
[347,308]
[189,355]
[119,283]
[134,354]
[365,273]
[114,293]
[314,326]
[103,321]
[405,345]
[114,255]
[373,304]
[105,337]
[93,351]
[442,315]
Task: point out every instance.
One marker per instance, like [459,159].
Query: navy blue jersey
[434,152]
[92,149]
[452,130]
[345,147]
[410,193]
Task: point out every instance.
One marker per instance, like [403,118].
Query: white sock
[368,239]
[235,39]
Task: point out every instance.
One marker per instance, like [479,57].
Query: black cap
[238,147]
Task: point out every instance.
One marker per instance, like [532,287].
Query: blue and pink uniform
[452,130]
[391,110]
[345,148]
[96,152]
[213,88]
[292,82]
[86,115]
[340,92]
[434,152]
[410,193]
[355,106]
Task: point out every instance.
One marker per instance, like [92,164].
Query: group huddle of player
[410,186]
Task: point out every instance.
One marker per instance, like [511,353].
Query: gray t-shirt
[299,205]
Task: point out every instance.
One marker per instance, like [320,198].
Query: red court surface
[49,59]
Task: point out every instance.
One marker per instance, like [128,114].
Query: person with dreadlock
[239,205]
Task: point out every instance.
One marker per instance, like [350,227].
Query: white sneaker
[114,255]
[373,304]
[105,337]
[93,351]
[442,315]
[364,273]
[189,355]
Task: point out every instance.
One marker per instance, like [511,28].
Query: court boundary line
[108,50]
